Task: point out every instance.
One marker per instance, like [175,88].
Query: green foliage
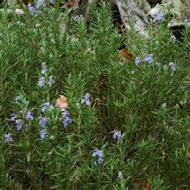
[142,101]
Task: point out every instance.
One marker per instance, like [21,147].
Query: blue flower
[42,121]
[67,119]
[29,115]
[52,2]
[13,117]
[86,99]
[44,68]
[149,58]
[46,106]
[173,66]
[43,133]
[8,137]
[41,81]
[99,153]
[116,134]
[19,124]
[65,113]
[137,61]
[51,80]
[100,160]
[188,22]
[159,16]
[66,122]
[32,10]
[40,3]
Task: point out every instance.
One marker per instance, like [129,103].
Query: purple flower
[42,121]
[159,16]
[46,106]
[173,66]
[44,68]
[51,80]
[100,160]
[29,115]
[66,122]
[188,22]
[149,58]
[40,3]
[86,99]
[41,81]
[65,113]
[52,2]
[13,117]
[43,133]
[19,124]
[99,153]
[137,61]
[32,10]
[8,137]
[116,134]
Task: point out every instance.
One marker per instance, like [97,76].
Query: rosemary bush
[127,124]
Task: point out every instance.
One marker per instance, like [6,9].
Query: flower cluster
[43,133]
[116,134]
[86,99]
[8,137]
[29,115]
[99,153]
[172,65]
[42,79]
[137,61]
[159,16]
[13,117]
[46,106]
[18,122]
[149,59]
[33,10]
[43,121]
[66,118]
[40,3]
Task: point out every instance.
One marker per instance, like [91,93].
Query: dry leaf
[148,185]
[71,3]
[62,102]
[125,55]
